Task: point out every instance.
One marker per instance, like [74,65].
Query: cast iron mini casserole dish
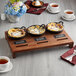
[36,29]
[55,27]
[16,33]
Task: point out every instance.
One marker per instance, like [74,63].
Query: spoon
[38,9]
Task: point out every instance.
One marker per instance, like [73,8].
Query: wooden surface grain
[45,62]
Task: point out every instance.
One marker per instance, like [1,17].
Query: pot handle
[43,25]
[61,22]
[23,27]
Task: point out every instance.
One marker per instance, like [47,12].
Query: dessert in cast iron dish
[17,33]
[36,29]
[55,27]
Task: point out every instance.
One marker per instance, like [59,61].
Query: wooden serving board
[46,40]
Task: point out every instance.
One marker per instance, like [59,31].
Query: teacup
[4,63]
[54,7]
[69,14]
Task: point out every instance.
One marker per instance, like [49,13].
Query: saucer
[7,69]
[52,11]
[69,19]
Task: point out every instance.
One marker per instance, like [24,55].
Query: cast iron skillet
[40,26]
[22,28]
[61,24]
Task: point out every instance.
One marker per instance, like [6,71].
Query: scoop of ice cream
[38,3]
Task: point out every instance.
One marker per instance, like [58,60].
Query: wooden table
[45,62]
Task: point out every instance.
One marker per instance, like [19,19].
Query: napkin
[32,9]
[68,54]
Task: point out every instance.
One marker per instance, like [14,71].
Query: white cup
[69,14]
[54,7]
[3,16]
[5,65]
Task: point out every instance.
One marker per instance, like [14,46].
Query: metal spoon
[38,9]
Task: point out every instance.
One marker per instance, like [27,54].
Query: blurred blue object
[15,10]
